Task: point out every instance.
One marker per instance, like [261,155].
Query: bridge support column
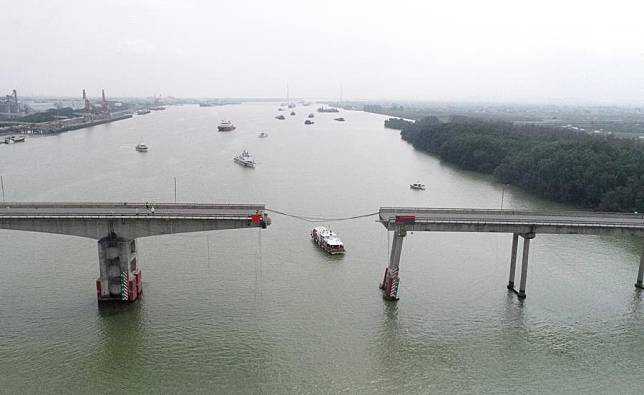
[640,273]
[513,260]
[524,263]
[391,281]
[120,278]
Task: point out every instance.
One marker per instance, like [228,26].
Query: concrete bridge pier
[120,278]
[524,263]
[513,260]
[640,272]
[391,281]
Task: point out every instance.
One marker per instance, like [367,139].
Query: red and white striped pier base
[120,279]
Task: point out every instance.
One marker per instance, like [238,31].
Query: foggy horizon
[500,52]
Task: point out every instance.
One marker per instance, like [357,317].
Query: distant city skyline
[500,51]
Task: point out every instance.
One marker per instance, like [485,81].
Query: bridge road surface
[130,220]
[512,221]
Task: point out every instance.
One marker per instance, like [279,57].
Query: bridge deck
[512,221]
[127,210]
[130,220]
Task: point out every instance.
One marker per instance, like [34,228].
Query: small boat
[206,105]
[142,147]
[327,240]
[339,119]
[245,159]
[308,122]
[19,139]
[142,111]
[157,108]
[328,109]
[417,186]
[311,115]
[292,112]
[280,117]
[262,135]
[226,126]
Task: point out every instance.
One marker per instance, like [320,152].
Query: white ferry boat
[226,126]
[327,240]
[245,159]
[142,147]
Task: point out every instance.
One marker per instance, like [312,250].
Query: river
[250,311]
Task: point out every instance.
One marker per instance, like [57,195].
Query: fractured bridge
[116,226]
[526,224]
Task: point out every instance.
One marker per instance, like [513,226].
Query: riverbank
[588,171]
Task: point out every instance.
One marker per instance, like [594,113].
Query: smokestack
[15,96]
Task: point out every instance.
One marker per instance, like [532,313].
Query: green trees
[597,172]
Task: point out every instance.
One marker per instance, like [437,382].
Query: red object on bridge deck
[256,218]
[405,219]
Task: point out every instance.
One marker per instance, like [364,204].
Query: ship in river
[327,240]
[328,109]
[245,159]
[226,126]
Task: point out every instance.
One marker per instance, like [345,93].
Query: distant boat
[417,186]
[262,135]
[308,122]
[19,139]
[292,112]
[142,147]
[328,109]
[339,119]
[143,111]
[311,115]
[226,126]
[280,117]
[206,105]
[157,108]
[245,159]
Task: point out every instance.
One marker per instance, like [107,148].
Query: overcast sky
[544,51]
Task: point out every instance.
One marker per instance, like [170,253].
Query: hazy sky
[540,51]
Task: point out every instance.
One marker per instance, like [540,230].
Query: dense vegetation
[596,172]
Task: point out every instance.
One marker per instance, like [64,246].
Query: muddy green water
[246,311]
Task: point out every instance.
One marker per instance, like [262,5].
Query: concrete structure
[116,226]
[525,224]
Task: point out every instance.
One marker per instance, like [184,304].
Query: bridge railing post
[391,281]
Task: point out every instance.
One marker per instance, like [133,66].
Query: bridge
[116,226]
[526,224]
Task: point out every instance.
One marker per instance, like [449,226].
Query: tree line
[598,172]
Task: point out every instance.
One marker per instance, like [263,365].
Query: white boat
[262,135]
[417,186]
[226,126]
[327,240]
[245,159]
[142,147]
[142,111]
